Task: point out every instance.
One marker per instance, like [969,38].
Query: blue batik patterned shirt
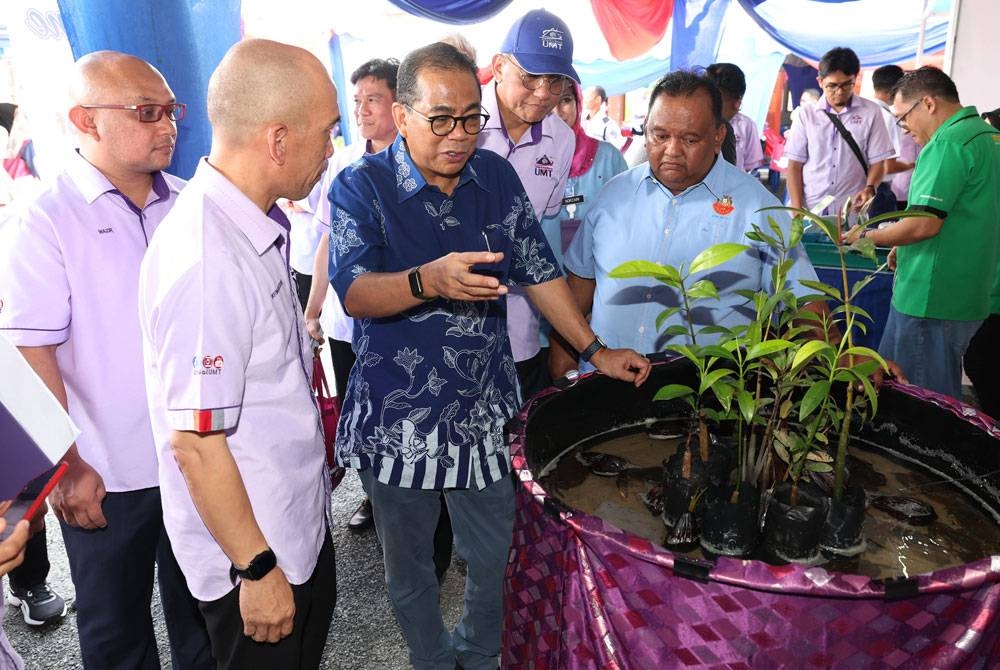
[433,386]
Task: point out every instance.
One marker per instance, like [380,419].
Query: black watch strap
[416,285]
[594,347]
[259,566]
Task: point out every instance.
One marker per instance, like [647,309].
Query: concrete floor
[364,634]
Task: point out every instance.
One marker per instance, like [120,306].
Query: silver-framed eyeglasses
[443,124]
[149,113]
[842,86]
[556,82]
[901,119]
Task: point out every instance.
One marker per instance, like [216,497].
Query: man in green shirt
[946,260]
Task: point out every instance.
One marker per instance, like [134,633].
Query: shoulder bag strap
[846,134]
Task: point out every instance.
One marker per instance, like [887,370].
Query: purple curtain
[453,11]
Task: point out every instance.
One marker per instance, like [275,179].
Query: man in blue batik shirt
[425,239]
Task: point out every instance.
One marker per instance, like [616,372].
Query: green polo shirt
[957,179]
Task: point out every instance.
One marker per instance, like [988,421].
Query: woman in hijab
[594,163]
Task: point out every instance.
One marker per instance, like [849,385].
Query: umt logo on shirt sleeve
[207,365]
[543,166]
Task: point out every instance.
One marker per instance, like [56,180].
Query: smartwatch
[417,286]
[594,347]
[259,566]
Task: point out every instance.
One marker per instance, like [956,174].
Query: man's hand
[315,330]
[859,199]
[77,497]
[890,260]
[624,364]
[12,549]
[854,234]
[267,607]
[452,276]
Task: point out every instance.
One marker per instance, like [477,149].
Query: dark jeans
[314,604]
[982,364]
[112,571]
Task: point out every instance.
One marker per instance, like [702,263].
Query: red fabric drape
[632,27]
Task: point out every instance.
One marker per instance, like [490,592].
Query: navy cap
[541,44]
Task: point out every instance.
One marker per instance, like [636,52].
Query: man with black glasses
[69,294]
[533,68]
[946,259]
[426,237]
[839,145]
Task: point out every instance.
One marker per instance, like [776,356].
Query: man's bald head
[260,82]
[111,77]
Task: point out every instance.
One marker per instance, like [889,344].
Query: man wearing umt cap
[533,68]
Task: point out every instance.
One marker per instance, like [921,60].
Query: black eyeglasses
[149,113]
[556,83]
[443,124]
[843,86]
[901,119]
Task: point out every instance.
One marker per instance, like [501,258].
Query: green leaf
[702,288]
[711,378]
[675,330]
[687,352]
[813,398]
[796,233]
[768,347]
[776,229]
[816,466]
[807,352]
[866,248]
[717,351]
[716,255]
[745,400]
[724,394]
[664,315]
[822,288]
[671,391]
[865,351]
[633,269]
[871,394]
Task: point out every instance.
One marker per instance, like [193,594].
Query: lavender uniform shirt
[828,164]
[71,270]
[541,159]
[226,350]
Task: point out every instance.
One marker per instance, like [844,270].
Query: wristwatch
[594,347]
[259,566]
[417,286]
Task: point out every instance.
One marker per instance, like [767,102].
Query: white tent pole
[949,45]
[923,34]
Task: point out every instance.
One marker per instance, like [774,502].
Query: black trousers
[302,285]
[35,568]
[112,571]
[982,364]
[314,604]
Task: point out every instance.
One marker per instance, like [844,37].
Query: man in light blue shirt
[684,201]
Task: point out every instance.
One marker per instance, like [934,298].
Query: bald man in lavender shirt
[228,367]
[71,267]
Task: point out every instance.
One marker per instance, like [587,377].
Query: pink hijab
[586,146]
